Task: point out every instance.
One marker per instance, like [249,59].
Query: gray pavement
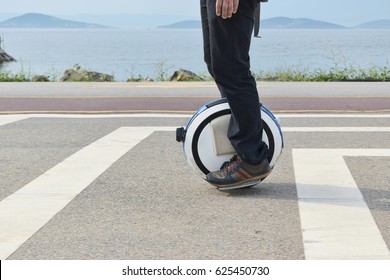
[150,205]
[266,89]
[187,97]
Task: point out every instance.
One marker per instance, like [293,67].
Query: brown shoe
[239,174]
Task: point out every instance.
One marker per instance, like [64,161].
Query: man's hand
[226,8]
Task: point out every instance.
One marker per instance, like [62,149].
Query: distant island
[188,24]
[298,23]
[375,24]
[35,20]
[292,23]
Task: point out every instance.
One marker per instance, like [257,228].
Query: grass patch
[9,77]
[350,73]
[291,74]
[20,76]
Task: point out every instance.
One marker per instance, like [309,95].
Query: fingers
[218,7]
[235,6]
[226,8]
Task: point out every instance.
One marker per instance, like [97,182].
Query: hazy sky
[346,12]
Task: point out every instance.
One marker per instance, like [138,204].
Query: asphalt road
[118,187]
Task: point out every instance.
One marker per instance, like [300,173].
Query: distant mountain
[189,24]
[376,24]
[34,20]
[298,23]
[275,23]
[129,20]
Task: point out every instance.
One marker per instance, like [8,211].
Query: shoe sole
[245,184]
[241,186]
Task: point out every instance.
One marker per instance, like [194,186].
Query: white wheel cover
[198,144]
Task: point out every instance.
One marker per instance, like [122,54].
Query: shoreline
[292,74]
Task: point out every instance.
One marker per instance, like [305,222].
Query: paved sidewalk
[266,89]
[187,97]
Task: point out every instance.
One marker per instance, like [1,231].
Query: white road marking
[31,207]
[6,119]
[337,116]
[336,129]
[336,221]
[15,117]
[92,116]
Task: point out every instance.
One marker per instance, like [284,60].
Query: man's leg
[228,44]
[206,35]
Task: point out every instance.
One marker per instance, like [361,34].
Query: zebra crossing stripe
[12,118]
[24,212]
[335,219]
[336,129]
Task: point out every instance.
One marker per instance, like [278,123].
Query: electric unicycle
[205,143]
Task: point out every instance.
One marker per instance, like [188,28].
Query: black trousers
[226,53]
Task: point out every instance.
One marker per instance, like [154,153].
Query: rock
[82,75]
[40,78]
[4,57]
[183,75]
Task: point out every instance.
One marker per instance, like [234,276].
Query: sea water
[128,53]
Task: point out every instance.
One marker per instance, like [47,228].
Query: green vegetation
[162,69]
[9,77]
[341,70]
[291,74]
[21,76]
[350,73]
